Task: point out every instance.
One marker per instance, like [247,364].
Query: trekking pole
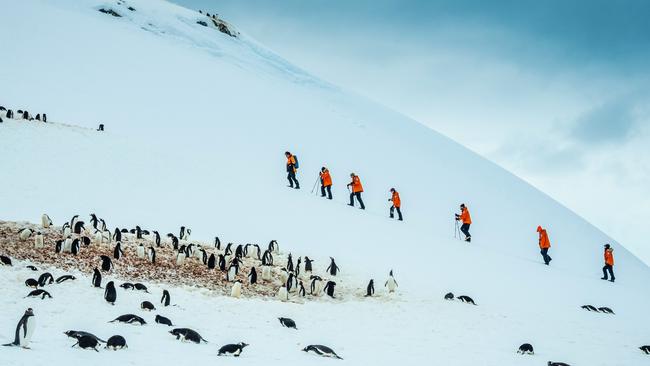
[315,183]
[457,231]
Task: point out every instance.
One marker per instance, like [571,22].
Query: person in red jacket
[466,219]
[397,203]
[544,244]
[291,170]
[357,188]
[609,263]
[326,182]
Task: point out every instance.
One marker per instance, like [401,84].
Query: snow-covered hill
[197,123]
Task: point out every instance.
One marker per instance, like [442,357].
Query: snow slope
[197,123]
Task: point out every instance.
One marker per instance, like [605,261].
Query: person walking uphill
[326,183]
[465,218]
[397,203]
[292,166]
[544,244]
[609,263]
[357,188]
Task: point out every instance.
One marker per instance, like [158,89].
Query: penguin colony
[20,115]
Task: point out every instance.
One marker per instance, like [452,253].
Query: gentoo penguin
[274,247]
[267,258]
[449,296]
[236,289]
[127,286]
[283,294]
[370,290]
[30,267]
[39,293]
[606,310]
[180,257]
[76,334]
[186,334]
[45,279]
[289,263]
[94,220]
[466,299]
[329,288]
[129,319]
[24,330]
[117,252]
[232,349]
[333,269]
[165,299]
[228,250]
[140,287]
[645,349]
[391,284]
[116,342]
[78,227]
[589,308]
[85,240]
[117,235]
[30,282]
[551,363]
[296,270]
[266,272]
[103,225]
[38,240]
[110,295]
[25,233]
[256,251]
[252,276]
[289,323]
[75,247]
[292,283]
[284,275]
[65,278]
[151,255]
[212,261]
[140,251]
[526,349]
[4,260]
[46,222]
[162,320]
[301,291]
[239,251]
[321,351]
[174,241]
[316,285]
[156,238]
[147,305]
[67,245]
[44,117]
[97,278]
[217,243]
[233,270]
[107,264]
[65,230]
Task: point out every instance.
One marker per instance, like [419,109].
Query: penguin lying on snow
[186,334]
[551,363]
[129,319]
[162,320]
[76,334]
[127,286]
[30,282]
[4,260]
[45,279]
[232,349]
[589,308]
[39,292]
[65,278]
[466,299]
[526,349]
[30,267]
[116,342]
[146,305]
[24,330]
[140,287]
[606,310]
[645,349]
[86,342]
[289,323]
[449,296]
[321,351]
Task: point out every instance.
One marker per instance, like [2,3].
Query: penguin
[645,349]
[110,295]
[156,238]
[45,279]
[79,227]
[74,248]
[117,235]
[288,323]
[267,258]
[391,284]
[211,261]
[186,334]
[151,255]
[65,278]
[116,342]
[329,288]
[30,267]
[94,221]
[73,220]
[85,240]
[551,363]
[147,305]
[181,235]
[316,285]
[127,286]
[65,230]
[140,251]
[321,350]
[107,264]
[232,349]
[252,276]
[289,263]
[165,299]
[274,247]
[162,320]
[292,283]
[526,349]
[117,252]
[76,334]
[140,287]
[129,319]
[239,251]
[44,117]
[39,292]
[180,258]
[296,270]
[283,294]
[449,296]
[589,308]
[284,275]
[25,233]
[97,278]
[30,282]
[24,330]
[266,273]
[333,269]
[466,299]
[103,225]
[233,270]
[217,243]
[38,116]
[370,290]
[46,222]
[236,289]
[228,250]
[606,310]
[301,291]
[4,260]
[174,241]
[255,251]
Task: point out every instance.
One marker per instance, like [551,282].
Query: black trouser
[399,212]
[465,229]
[545,255]
[358,195]
[292,178]
[609,269]
[329,191]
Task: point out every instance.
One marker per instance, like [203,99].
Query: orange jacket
[544,243]
[326,179]
[464,217]
[291,161]
[609,256]
[397,202]
[356,184]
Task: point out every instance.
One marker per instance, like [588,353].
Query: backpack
[296,165]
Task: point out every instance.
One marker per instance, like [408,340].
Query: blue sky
[556,91]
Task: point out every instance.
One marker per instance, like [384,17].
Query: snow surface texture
[196,126]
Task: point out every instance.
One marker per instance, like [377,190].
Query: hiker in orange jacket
[357,188]
[291,170]
[397,203]
[466,219]
[326,183]
[544,244]
[609,263]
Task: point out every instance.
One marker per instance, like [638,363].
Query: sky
[558,92]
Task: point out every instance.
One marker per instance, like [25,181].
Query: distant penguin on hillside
[46,222]
[97,278]
[283,294]
[212,261]
[151,255]
[30,282]
[391,284]
[117,235]
[156,238]
[180,257]
[370,289]
[252,276]
[266,273]
[66,230]
[110,295]
[79,227]
[235,291]
[94,220]
[301,290]
[526,349]
[116,342]
[267,258]
[217,243]
[75,247]
[292,283]
[166,298]
[25,233]
[645,349]
[65,278]
[117,252]
[288,323]
[140,287]
[232,349]
[44,117]
[329,288]
[333,269]
[140,251]
[289,263]
[107,264]
[296,270]
[38,240]
[129,319]
[466,299]
[24,330]
[233,270]
[274,247]
[222,262]
[147,305]
[228,250]
[449,296]
[308,266]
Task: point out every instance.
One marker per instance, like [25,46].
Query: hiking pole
[457,231]
[315,183]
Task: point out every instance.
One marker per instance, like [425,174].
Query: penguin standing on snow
[283,294]
[391,284]
[117,252]
[110,295]
[301,291]
[333,269]
[24,330]
[297,269]
[97,278]
[165,299]
[370,290]
[316,285]
[329,288]
[252,276]
[107,264]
